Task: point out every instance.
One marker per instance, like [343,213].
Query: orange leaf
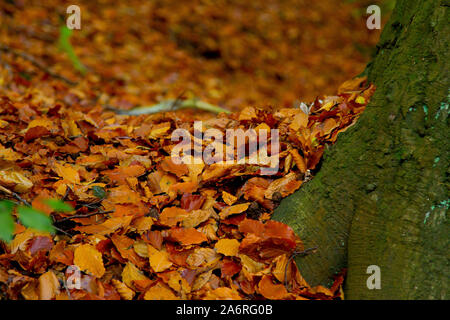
[228,198]
[48,286]
[223,294]
[89,259]
[172,215]
[238,208]
[272,291]
[159,261]
[130,274]
[160,292]
[178,169]
[187,236]
[227,247]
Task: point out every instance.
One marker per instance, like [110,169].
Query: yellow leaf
[247,114]
[251,265]
[262,126]
[196,217]
[9,154]
[130,273]
[124,292]
[299,161]
[227,247]
[89,259]
[15,180]
[228,198]
[201,280]
[160,292]
[141,248]
[360,100]
[159,261]
[3,124]
[67,172]
[107,227]
[280,267]
[223,293]
[143,224]
[300,121]
[43,122]
[159,130]
[29,291]
[166,181]
[327,106]
[178,283]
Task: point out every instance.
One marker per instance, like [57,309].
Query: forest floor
[141,226]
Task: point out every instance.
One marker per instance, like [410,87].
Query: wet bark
[382,194]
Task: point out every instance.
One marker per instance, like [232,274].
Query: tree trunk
[382,195]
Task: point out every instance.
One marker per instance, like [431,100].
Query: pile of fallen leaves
[144,227]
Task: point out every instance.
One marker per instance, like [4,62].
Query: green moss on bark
[376,199]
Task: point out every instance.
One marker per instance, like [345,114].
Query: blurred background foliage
[230,53]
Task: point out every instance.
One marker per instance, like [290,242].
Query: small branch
[77,216]
[35,63]
[15,195]
[170,105]
[303,253]
[62,231]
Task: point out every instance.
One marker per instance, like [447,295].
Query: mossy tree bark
[382,194]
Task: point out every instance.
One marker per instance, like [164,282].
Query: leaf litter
[144,227]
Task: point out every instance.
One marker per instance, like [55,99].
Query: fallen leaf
[227,247]
[89,259]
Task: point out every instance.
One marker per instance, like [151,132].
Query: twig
[62,231]
[35,63]
[293,255]
[177,100]
[77,216]
[15,195]
[170,105]
[66,194]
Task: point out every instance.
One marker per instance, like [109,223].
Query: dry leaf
[160,292]
[159,261]
[48,286]
[124,292]
[227,247]
[89,259]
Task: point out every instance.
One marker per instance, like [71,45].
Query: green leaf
[99,192]
[6,220]
[6,206]
[32,218]
[59,205]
